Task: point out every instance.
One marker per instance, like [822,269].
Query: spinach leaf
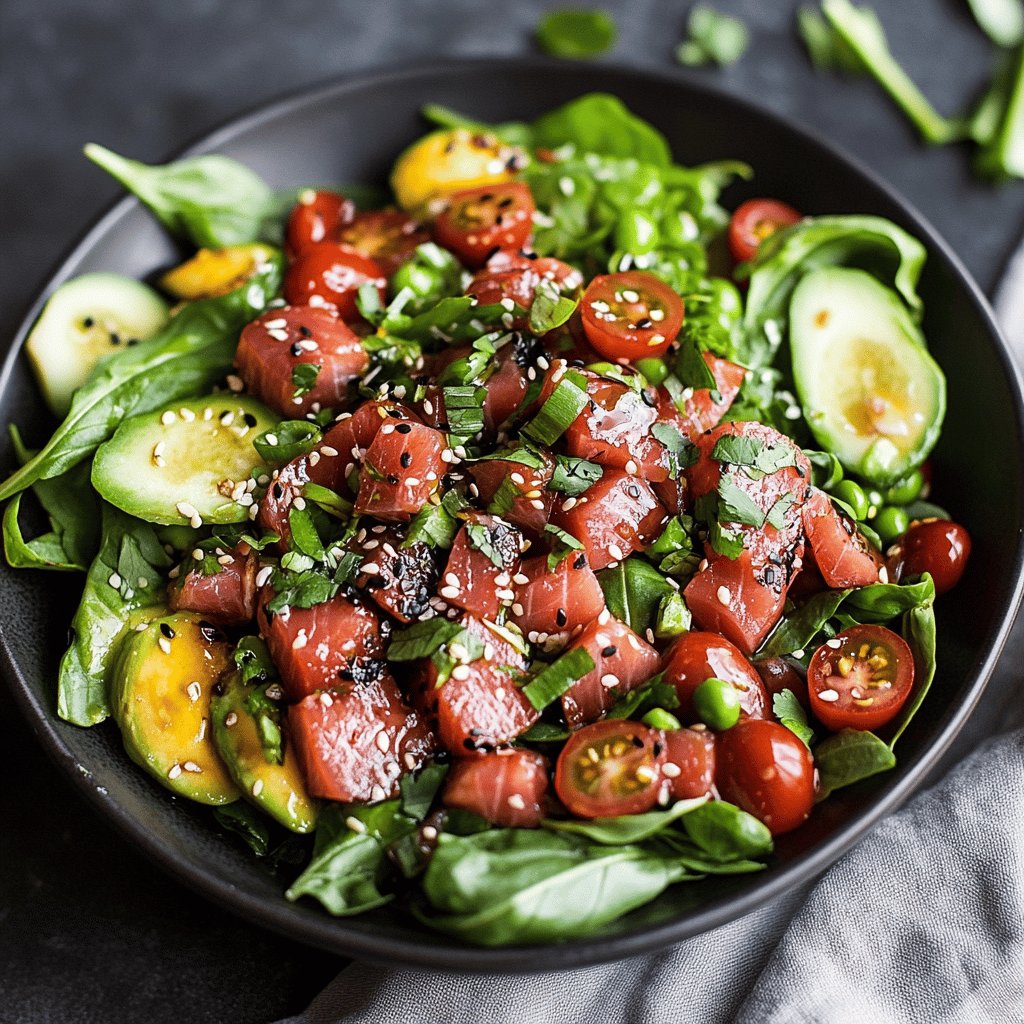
[186,357]
[247,823]
[862,33]
[880,602]
[796,630]
[419,789]
[724,832]
[349,862]
[633,591]
[576,34]
[655,693]
[601,123]
[526,887]
[919,632]
[1001,20]
[212,200]
[627,828]
[130,555]
[713,38]
[873,243]
[849,756]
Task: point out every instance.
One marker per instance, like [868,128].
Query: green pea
[891,522]
[875,502]
[717,703]
[659,718]
[853,495]
[636,232]
[904,491]
[425,281]
[654,370]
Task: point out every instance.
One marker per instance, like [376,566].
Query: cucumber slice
[184,461]
[85,319]
[870,391]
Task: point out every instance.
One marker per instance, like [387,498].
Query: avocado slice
[277,789]
[187,463]
[870,391]
[161,689]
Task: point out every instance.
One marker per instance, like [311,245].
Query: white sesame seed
[300,640]
[185,509]
[410,761]
[326,449]
[114,580]
[883,575]
[460,672]
[230,719]
[196,521]
[828,696]
[164,644]
[377,793]
[234,383]
[355,824]
[326,699]
[724,597]
[631,468]
[616,552]
[257,787]
[609,679]
[187,415]
[194,690]
[168,418]
[670,770]
[174,772]
[517,609]
[799,653]
[370,568]
[381,739]
[450,592]
[834,644]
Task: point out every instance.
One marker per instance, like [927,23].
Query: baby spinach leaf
[633,591]
[796,630]
[349,864]
[244,821]
[130,554]
[576,34]
[526,887]
[655,693]
[419,789]
[713,38]
[880,602]
[919,632]
[212,200]
[185,357]
[855,239]
[627,828]
[849,756]
[724,832]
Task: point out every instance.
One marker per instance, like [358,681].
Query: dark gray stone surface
[89,932]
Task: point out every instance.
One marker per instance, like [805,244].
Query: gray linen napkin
[921,923]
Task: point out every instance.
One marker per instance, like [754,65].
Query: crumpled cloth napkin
[921,923]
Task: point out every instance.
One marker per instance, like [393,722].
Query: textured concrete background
[89,932]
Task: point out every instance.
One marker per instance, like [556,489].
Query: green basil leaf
[849,756]
[573,476]
[464,410]
[550,309]
[565,544]
[796,630]
[558,677]
[726,833]
[880,602]
[304,377]
[576,34]
[545,732]
[304,533]
[655,693]
[633,591]
[252,658]
[418,790]
[433,525]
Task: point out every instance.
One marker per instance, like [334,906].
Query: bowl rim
[326,932]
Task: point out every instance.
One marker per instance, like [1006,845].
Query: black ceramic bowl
[352,131]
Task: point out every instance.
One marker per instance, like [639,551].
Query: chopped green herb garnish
[564,404]
[558,677]
[304,377]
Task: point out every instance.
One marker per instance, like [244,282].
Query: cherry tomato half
[753,222]
[477,221]
[329,274]
[765,769]
[631,316]
[860,679]
[388,237]
[689,767]
[935,546]
[611,767]
[317,217]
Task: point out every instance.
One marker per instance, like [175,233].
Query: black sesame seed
[305,332]
[469,744]
[657,749]
[643,323]
[392,478]
[403,428]
[406,460]
[278,491]
[295,350]
[637,742]
[581,561]
[561,617]
[609,651]
[88,322]
[167,631]
[250,420]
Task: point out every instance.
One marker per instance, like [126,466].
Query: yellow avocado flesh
[213,272]
[277,789]
[162,687]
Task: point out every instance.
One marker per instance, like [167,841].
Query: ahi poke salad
[511,544]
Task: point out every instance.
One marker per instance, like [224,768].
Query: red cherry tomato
[935,546]
[388,237]
[611,767]
[763,768]
[329,274]
[777,674]
[860,679]
[753,222]
[477,221]
[689,767]
[631,316]
[317,217]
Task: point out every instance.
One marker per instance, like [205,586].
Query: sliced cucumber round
[870,391]
[187,463]
[85,319]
